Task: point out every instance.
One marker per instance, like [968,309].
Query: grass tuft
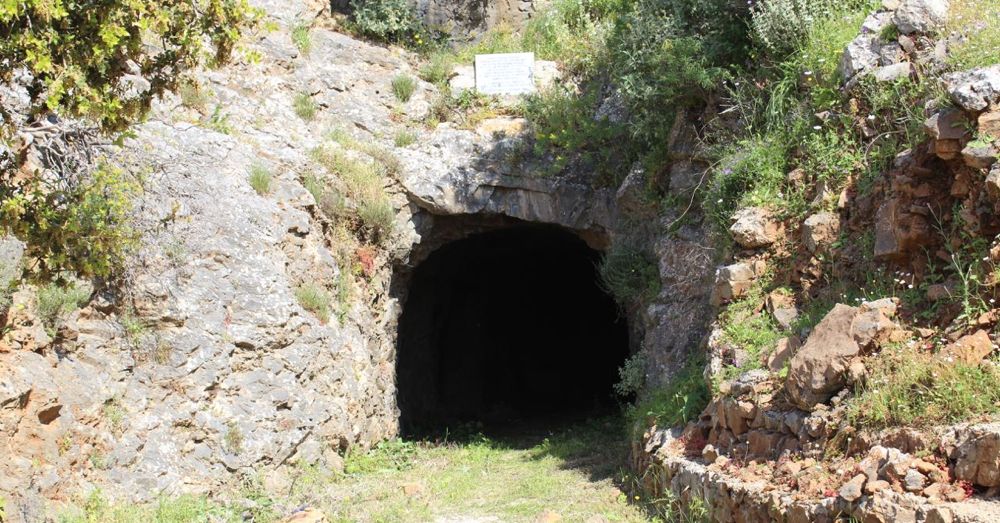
[314,299]
[260,179]
[906,388]
[56,301]
[403,87]
[304,106]
[302,38]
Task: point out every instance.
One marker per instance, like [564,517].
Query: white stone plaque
[508,73]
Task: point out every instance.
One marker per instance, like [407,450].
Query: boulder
[979,155]
[993,183]
[988,125]
[921,16]
[851,491]
[975,450]
[782,309]
[733,281]
[546,74]
[970,349]
[754,227]
[631,195]
[948,124]
[817,371]
[976,89]
[891,73]
[820,230]
[783,351]
[864,52]
[463,78]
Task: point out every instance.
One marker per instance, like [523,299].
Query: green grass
[314,299]
[184,509]
[404,138]
[438,68]
[260,179]
[56,301]
[365,183]
[578,471]
[403,87]
[301,38]
[907,388]
[978,21]
[575,472]
[675,404]
[304,106]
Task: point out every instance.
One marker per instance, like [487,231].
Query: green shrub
[782,27]
[403,87]
[658,70]
[679,402]
[260,179]
[84,228]
[302,38]
[193,95]
[218,121]
[314,299]
[564,124]
[721,25]
[304,106]
[55,301]
[906,388]
[630,274]
[631,375]
[77,60]
[392,21]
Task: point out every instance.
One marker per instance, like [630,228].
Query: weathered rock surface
[754,227]
[976,89]
[818,367]
[921,16]
[820,230]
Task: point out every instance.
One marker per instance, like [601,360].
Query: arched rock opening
[507,326]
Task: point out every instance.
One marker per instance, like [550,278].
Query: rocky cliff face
[205,367]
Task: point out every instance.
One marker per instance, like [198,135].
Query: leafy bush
[679,402]
[403,87]
[83,227]
[721,25]
[385,20]
[78,62]
[564,124]
[905,387]
[55,301]
[781,27]
[658,70]
[631,375]
[314,299]
[630,274]
[260,179]
[304,106]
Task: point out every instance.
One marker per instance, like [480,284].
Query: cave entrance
[508,327]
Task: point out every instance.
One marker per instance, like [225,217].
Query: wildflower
[817,127]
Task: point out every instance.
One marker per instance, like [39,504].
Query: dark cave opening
[508,327]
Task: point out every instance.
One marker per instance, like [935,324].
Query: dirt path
[574,474]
